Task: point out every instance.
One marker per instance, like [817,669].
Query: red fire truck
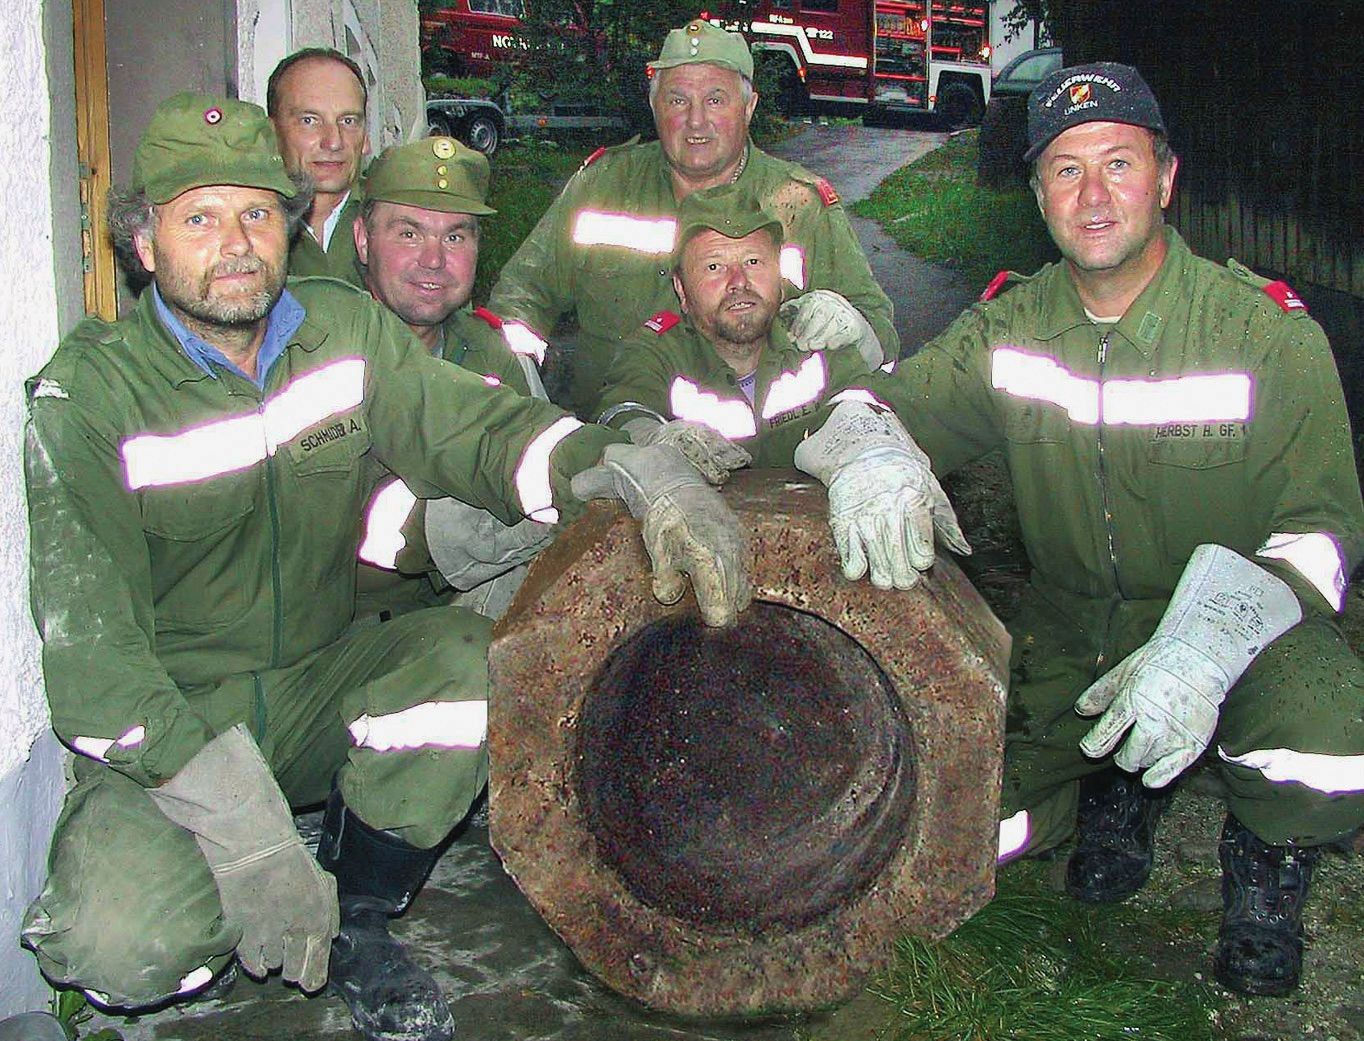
[471,37]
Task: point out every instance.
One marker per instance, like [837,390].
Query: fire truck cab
[890,55]
[471,37]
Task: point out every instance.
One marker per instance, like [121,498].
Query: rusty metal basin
[742,821]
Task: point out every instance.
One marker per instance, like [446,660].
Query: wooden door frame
[92,152]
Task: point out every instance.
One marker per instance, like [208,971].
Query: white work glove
[469,546]
[687,528]
[713,454]
[1224,611]
[884,502]
[822,320]
[268,882]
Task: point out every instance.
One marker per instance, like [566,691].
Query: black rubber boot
[1115,841]
[1259,949]
[377,873]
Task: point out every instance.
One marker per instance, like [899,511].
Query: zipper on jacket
[1106,500]
[276,583]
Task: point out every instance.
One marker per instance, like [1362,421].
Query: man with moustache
[602,249]
[1182,465]
[195,475]
[316,98]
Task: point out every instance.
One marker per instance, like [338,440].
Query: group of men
[204,474]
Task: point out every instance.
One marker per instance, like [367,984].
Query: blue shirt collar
[284,319]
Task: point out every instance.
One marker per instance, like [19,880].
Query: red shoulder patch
[1282,294]
[493,320]
[663,321]
[996,284]
[593,157]
[827,192]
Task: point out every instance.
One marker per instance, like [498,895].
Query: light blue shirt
[284,319]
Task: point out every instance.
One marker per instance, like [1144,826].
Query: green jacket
[187,528]
[306,256]
[1210,412]
[603,250]
[669,369]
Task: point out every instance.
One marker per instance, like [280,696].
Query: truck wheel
[437,126]
[958,106]
[482,133]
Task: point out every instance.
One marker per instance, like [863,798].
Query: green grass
[934,209]
[1036,966]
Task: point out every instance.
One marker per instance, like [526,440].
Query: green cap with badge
[435,173]
[194,140]
[699,41]
[727,209]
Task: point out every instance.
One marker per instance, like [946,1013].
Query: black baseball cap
[1104,92]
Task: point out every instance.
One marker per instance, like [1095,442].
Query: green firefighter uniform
[671,371]
[472,339]
[1210,413]
[338,260]
[194,537]
[603,250]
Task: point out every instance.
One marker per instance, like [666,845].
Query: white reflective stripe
[733,419]
[793,390]
[98,747]
[812,56]
[862,396]
[888,367]
[228,445]
[1198,398]
[388,512]
[446,724]
[1014,835]
[1316,556]
[47,388]
[524,342]
[196,979]
[490,380]
[793,265]
[641,234]
[532,471]
[1331,774]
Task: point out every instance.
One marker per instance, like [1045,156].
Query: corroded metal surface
[863,778]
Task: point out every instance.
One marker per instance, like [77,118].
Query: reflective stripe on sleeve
[642,234]
[524,342]
[98,747]
[225,446]
[388,512]
[1316,556]
[533,488]
[1197,398]
[194,980]
[734,419]
[1014,835]
[1330,774]
[793,390]
[792,259]
[444,724]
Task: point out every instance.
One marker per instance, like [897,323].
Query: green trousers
[1305,692]
[130,910]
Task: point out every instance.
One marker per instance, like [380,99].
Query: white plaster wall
[33,310]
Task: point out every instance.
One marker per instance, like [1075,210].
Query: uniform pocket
[1197,446]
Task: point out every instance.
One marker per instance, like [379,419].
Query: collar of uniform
[281,324]
[333,219]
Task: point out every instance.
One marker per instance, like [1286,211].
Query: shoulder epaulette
[593,157]
[998,283]
[1279,291]
[827,192]
[663,321]
[607,150]
[494,321]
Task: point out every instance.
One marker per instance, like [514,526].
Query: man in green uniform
[1182,463]
[602,248]
[727,365]
[417,240]
[196,474]
[317,99]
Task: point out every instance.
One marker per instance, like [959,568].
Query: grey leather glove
[268,882]
[687,528]
[713,454]
[822,320]
[470,546]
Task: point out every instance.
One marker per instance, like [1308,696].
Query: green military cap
[435,173]
[195,140]
[699,41]
[727,209]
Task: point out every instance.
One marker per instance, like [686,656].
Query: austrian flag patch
[1282,294]
[663,321]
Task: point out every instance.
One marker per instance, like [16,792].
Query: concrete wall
[40,255]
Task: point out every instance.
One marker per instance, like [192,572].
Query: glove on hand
[470,546]
[822,320]
[1224,611]
[268,882]
[687,528]
[884,502]
[715,455]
